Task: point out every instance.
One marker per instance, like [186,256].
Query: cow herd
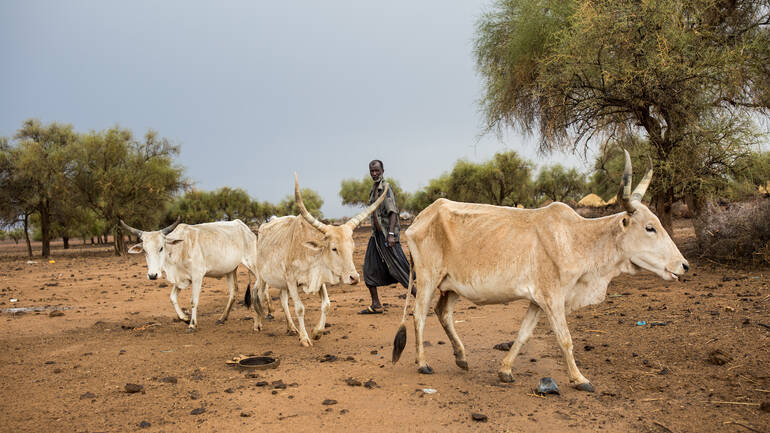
[552,257]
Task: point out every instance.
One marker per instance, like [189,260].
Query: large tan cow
[190,252]
[552,256]
[300,252]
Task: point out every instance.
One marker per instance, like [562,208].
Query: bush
[735,232]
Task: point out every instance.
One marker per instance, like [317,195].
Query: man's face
[375,171]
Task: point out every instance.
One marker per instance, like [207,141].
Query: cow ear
[136,249]
[170,241]
[313,245]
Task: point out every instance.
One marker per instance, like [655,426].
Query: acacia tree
[505,180]
[557,183]
[42,168]
[686,75]
[117,176]
[422,198]
[310,198]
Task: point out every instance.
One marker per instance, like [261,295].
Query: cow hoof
[317,335]
[462,364]
[258,328]
[269,316]
[425,370]
[505,377]
[220,322]
[587,387]
[190,330]
[305,342]
[292,332]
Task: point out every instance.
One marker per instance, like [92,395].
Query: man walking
[385,262]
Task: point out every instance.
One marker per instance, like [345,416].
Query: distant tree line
[508,180]
[58,183]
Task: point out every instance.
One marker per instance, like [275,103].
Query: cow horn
[643,185]
[136,232]
[624,194]
[356,220]
[170,228]
[305,214]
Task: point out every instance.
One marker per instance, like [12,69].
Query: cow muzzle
[352,279]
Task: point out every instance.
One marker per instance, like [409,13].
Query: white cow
[552,257]
[300,252]
[187,253]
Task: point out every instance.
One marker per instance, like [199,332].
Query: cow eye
[650,229]
[334,249]
[160,250]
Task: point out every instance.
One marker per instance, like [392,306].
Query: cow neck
[601,237]
[308,264]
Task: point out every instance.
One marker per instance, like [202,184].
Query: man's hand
[391,240]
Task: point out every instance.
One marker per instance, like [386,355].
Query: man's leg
[376,305]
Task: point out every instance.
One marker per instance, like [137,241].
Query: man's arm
[391,235]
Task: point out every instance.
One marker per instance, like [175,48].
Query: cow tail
[399,342]
[247,296]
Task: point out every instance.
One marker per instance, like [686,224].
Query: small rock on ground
[479,417]
[144,424]
[329,402]
[132,388]
[55,313]
[198,411]
[353,382]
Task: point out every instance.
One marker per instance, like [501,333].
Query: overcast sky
[253,91]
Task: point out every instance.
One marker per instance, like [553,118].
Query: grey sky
[256,90]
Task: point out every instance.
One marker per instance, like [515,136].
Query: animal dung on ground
[717,357]
[328,402]
[503,346]
[353,382]
[259,362]
[547,386]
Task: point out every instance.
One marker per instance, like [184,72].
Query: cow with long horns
[552,257]
[187,253]
[300,252]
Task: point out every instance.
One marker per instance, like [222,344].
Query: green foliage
[311,199]
[435,190]
[688,76]
[224,204]
[502,181]
[356,193]
[557,183]
[117,176]
[16,234]
[505,180]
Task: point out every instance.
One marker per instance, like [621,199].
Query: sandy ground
[68,373]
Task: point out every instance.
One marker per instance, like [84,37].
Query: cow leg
[318,331]
[232,284]
[194,297]
[290,328]
[266,298]
[422,303]
[528,325]
[558,319]
[175,302]
[259,286]
[299,309]
[444,309]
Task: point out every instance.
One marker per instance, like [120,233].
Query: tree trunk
[119,243]
[65,242]
[92,240]
[45,228]
[26,235]
[664,200]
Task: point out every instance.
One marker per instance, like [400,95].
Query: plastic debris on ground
[641,323]
[547,386]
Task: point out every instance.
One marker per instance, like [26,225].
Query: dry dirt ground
[69,373]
